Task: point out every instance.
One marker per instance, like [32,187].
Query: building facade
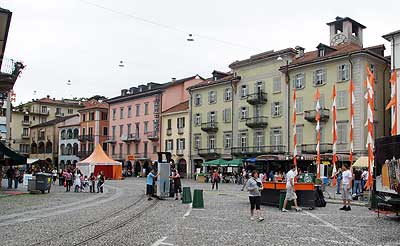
[68,142]
[175,135]
[93,129]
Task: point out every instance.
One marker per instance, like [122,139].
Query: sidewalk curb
[358,204]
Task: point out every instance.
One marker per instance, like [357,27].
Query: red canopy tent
[99,161]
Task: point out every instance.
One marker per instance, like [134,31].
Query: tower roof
[339,20]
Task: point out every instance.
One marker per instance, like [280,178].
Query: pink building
[134,131]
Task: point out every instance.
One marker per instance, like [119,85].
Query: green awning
[234,163]
[217,162]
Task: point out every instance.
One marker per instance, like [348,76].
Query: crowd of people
[73,177]
[175,184]
[14,175]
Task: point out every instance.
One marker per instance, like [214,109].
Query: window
[83,117]
[244,91]
[91,116]
[321,52]
[121,113]
[105,131]
[58,111]
[146,108]
[145,149]
[243,140]
[114,112]
[169,145]
[154,149]
[136,148]
[211,142]
[374,71]
[70,111]
[25,132]
[343,72]
[259,87]
[137,131]
[197,100]
[243,113]
[341,99]
[180,143]
[120,149]
[197,119]
[319,77]
[128,149]
[90,132]
[276,85]
[197,141]
[259,139]
[276,137]
[299,105]
[226,115]
[145,126]
[299,134]
[121,130]
[299,81]
[83,131]
[212,97]
[228,94]
[180,122]
[129,111]
[342,132]
[113,132]
[129,128]
[113,149]
[137,109]
[212,116]
[169,124]
[227,140]
[104,116]
[276,109]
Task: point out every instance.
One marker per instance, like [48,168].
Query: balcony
[118,156]
[84,154]
[257,122]
[132,137]
[209,153]
[26,122]
[179,152]
[257,98]
[169,132]
[25,136]
[209,127]
[258,150]
[309,115]
[110,139]
[152,136]
[9,73]
[312,148]
[84,138]
[181,130]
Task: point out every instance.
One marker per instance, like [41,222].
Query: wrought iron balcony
[110,139]
[132,137]
[257,98]
[209,127]
[84,138]
[213,153]
[179,152]
[312,148]
[153,136]
[118,156]
[257,122]
[309,115]
[258,150]
[9,73]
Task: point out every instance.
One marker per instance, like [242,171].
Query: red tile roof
[178,108]
[92,104]
[211,81]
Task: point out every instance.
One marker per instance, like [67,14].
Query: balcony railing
[257,122]
[181,130]
[312,148]
[132,137]
[309,115]
[153,136]
[84,138]
[257,98]
[209,153]
[26,123]
[258,150]
[209,127]
[118,156]
[179,152]
[9,73]
[110,139]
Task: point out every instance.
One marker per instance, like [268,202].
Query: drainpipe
[190,135]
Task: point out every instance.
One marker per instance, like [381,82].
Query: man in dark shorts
[150,184]
[177,183]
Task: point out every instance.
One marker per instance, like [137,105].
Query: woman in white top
[77,181]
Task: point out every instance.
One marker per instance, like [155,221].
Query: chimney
[54,98]
[173,79]
[124,92]
[300,51]
[48,96]
[133,90]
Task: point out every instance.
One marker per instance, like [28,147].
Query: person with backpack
[254,187]
[290,193]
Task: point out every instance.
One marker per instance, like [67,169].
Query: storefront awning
[19,159]
[234,163]
[217,162]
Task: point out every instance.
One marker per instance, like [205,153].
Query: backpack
[319,199]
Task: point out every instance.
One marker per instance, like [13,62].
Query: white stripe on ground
[188,212]
[161,242]
[355,240]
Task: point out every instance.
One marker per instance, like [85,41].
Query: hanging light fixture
[121,64]
[190,38]
[69,82]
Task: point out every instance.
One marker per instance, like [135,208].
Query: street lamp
[190,38]
[121,64]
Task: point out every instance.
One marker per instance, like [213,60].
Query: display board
[163,183]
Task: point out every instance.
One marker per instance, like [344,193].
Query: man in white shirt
[347,178]
[290,193]
[364,178]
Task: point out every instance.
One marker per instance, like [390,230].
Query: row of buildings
[243,113]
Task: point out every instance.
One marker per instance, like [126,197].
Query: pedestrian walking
[100,182]
[54,172]
[77,182]
[10,176]
[346,187]
[68,180]
[290,192]
[215,180]
[17,176]
[254,187]
[150,183]
[357,189]
[61,178]
[177,183]
[364,178]
[92,182]
[339,181]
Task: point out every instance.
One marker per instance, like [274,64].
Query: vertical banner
[317,128]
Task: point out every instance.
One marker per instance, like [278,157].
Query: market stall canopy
[31,160]
[362,162]
[234,163]
[217,162]
[270,158]
[19,159]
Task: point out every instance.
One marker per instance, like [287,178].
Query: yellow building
[211,118]
[175,135]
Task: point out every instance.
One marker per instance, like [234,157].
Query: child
[85,184]
[92,182]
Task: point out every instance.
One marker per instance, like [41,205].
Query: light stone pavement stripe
[188,212]
[39,214]
[355,240]
[161,242]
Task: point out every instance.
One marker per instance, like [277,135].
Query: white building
[68,142]
[394,39]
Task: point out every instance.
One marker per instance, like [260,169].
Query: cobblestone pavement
[123,216]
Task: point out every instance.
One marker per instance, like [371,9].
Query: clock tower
[345,30]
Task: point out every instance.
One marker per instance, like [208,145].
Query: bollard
[186,196]
[198,201]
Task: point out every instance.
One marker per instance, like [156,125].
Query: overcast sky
[61,40]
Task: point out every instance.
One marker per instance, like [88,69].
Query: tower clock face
[338,39]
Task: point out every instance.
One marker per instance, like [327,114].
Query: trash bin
[282,200]
[187,196]
[43,182]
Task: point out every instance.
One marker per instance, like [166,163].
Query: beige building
[175,135]
[36,112]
